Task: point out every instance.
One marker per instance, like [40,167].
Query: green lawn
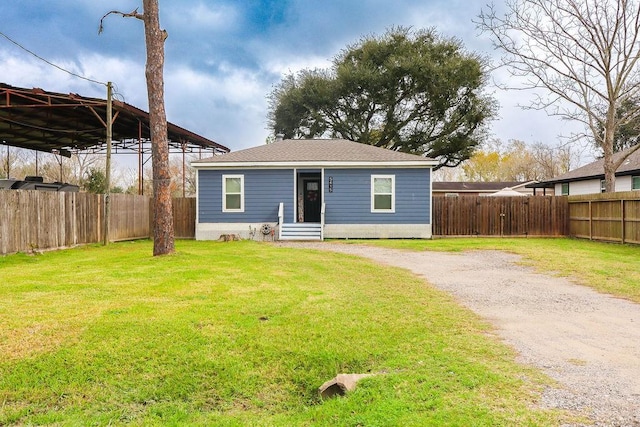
[607,267]
[243,334]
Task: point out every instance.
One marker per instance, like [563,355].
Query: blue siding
[264,190]
[350,201]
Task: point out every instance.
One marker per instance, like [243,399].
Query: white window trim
[632,179]
[562,193]
[224,193]
[393,194]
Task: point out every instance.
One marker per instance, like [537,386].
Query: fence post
[622,220]
[590,222]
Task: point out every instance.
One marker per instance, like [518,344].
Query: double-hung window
[565,188]
[383,193]
[635,182]
[232,193]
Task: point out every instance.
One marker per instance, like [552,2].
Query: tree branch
[132,14]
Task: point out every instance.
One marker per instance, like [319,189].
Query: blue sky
[223,57]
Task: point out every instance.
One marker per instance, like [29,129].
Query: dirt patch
[587,341]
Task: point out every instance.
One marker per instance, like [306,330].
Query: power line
[49,62]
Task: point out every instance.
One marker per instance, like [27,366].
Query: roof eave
[588,177]
[313,164]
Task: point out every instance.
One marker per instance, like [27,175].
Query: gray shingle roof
[596,169]
[314,150]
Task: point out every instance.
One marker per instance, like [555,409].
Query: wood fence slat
[500,216]
[129,217]
[32,220]
[608,217]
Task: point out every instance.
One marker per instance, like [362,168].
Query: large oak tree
[410,91]
[583,54]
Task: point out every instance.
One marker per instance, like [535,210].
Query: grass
[606,267]
[243,334]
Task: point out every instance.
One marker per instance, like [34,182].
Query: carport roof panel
[50,122]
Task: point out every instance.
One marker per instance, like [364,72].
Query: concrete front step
[301,231]
[303,238]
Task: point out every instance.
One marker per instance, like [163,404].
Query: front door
[312,199]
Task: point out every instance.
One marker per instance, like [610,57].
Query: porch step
[301,231]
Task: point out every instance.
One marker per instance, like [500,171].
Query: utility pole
[184,178]
[107,196]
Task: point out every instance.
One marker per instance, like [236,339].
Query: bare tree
[448,174]
[183,175]
[82,162]
[11,160]
[53,167]
[553,161]
[583,53]
[519,161]
[163,233]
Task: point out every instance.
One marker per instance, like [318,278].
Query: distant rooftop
[595,169]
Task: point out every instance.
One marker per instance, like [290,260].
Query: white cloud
[214,18]
[26,71]
[234,85]
[126,75]
[229,106]
[285,64]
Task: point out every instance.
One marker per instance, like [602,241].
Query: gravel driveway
[587,341]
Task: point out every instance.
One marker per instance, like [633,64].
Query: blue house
[314,189]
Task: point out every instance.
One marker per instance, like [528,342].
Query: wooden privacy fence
[47,220]
[613,217]
[184,217]
[500,216]
[129,217]
[41,219]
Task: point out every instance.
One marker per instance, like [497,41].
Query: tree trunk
[607,146]
[163,234]
[609,170]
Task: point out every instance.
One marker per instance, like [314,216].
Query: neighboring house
[458,188]
[589,179]
[312,189]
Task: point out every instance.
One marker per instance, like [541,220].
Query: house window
[603,186]
[565,189]
[383,195]
[635,182]
[232,193]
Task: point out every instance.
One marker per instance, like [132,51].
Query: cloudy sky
[223,57]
